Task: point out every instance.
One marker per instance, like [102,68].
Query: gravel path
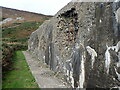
[43,75]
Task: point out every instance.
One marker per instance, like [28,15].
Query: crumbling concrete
[75,41]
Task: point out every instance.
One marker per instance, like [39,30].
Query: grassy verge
[19,76]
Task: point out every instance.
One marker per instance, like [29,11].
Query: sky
[47,7]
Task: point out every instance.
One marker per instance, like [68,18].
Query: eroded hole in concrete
[68,26]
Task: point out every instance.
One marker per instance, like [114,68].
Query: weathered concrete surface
[44,77]
[83,42]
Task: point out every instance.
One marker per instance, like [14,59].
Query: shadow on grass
[18,75]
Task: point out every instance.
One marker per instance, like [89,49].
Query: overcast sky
[47,7]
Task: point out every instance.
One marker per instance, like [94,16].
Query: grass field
[22,30]
[19,75]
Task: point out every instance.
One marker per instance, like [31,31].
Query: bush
[7,53]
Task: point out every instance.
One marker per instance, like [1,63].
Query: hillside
[11,16]
[17,25]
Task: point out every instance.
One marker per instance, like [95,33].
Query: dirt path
[43,75]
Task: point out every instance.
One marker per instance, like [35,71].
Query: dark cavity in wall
[68,23]
[69,19]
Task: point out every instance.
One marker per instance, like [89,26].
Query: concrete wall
[81,42]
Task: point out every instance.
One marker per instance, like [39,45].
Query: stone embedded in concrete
[61,43]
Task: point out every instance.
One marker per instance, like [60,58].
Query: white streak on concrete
[100,20]
[93,54]
[67,72]
[116,0]
[88,29]
[107,59]
[43,57]
[67,75]
[82,74]
[118,63]
[107,56]
[72,80]
[117,74]
[68,60]
[91,24]
[117,47]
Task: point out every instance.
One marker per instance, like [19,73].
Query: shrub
[7,53]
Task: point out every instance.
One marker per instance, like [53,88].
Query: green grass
[20,75]
[21,30]
[19,34]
